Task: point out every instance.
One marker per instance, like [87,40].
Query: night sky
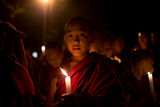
[121,18]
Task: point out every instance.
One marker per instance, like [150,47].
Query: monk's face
[96,46]
[118,46]
[77,39]
[143,41]
[54,57]
[107,49]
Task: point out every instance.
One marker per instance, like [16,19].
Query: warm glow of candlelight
[64,72]
[68,84]
[67,81]
[44,1]
[150,77]
[43,48]
[139,34]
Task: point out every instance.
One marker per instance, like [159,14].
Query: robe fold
[20,78]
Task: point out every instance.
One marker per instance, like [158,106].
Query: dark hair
[78,20]
[136,61]
[138,56]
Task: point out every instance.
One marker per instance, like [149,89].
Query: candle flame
[43,48]
[139,34]
[148,73]
[64,72]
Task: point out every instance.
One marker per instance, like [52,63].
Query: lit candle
[67,81]
[43,48]
[151,82]
[139,34]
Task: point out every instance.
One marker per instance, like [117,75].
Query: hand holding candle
[67,81]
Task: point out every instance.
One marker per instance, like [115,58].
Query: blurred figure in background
[97,41]
[107,48]
[113,48]
[144,42]
[142,63]
[50,61]
[101,43]
[155,39]
[32,69]
[118,48]
[18,85]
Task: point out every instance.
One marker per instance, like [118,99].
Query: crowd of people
[103,71]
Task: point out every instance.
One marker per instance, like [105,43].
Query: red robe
[19,87]
[92,75]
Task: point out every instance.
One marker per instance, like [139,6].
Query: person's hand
[67,100]
[75,99]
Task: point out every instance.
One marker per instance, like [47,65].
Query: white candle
[67,82]
[43,48]
[151,82]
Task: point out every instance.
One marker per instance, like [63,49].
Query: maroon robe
[92,75]
[18,86]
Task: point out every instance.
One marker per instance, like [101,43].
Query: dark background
[123,18]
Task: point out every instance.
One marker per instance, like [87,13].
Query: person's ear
[64,46]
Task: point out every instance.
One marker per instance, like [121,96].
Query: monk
[18,86]
[93,82]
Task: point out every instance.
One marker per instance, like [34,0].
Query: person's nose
[76,39]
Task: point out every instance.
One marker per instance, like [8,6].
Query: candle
[67,81]
[68,84]
[151,82]
[43,48]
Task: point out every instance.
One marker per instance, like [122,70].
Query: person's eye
[82,34]
[69,36]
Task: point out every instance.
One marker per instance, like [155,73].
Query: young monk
[93,82]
